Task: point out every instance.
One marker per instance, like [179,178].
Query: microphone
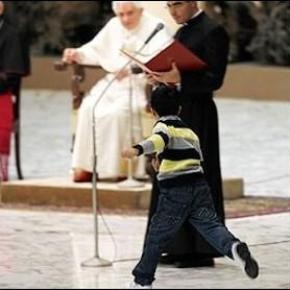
[159,27]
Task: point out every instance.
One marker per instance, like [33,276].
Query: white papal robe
[111,114]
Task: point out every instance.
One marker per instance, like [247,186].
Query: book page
[139,63]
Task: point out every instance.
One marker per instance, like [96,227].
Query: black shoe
[242,255]
[192,262]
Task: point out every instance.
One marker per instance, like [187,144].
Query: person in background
[14,64]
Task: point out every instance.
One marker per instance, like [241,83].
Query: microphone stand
[97,261]
[130,181]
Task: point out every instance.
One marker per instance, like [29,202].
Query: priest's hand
[70,55]
[151,80]
[170,77]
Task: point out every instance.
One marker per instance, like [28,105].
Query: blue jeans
[192,202]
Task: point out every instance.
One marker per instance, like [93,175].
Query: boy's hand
[130,153]
[155,163]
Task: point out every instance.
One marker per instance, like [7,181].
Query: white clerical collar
[197,13]
[194,16]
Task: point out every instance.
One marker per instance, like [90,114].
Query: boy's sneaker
[134,285]
[242,255]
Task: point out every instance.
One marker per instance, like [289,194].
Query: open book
[162,61]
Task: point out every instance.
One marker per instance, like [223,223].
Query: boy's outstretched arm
[153,144]
[130,153]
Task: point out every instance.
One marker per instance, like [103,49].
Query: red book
[174,52]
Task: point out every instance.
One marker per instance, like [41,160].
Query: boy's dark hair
[165,100]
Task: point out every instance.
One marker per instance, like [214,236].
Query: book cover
[174,52]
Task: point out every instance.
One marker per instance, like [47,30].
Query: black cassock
[14,57]
[211,43]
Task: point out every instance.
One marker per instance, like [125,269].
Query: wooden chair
[78,78]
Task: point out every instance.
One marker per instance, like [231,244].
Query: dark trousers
[192,202]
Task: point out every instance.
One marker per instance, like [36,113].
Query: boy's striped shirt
[176,146]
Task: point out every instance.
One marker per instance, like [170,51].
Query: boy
[184,193]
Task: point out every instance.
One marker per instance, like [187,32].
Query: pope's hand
[122,74]
[70,55]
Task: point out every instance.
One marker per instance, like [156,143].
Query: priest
[210,42]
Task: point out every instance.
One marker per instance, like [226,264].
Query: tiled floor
[46,250]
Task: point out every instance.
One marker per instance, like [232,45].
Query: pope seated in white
[129,29]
